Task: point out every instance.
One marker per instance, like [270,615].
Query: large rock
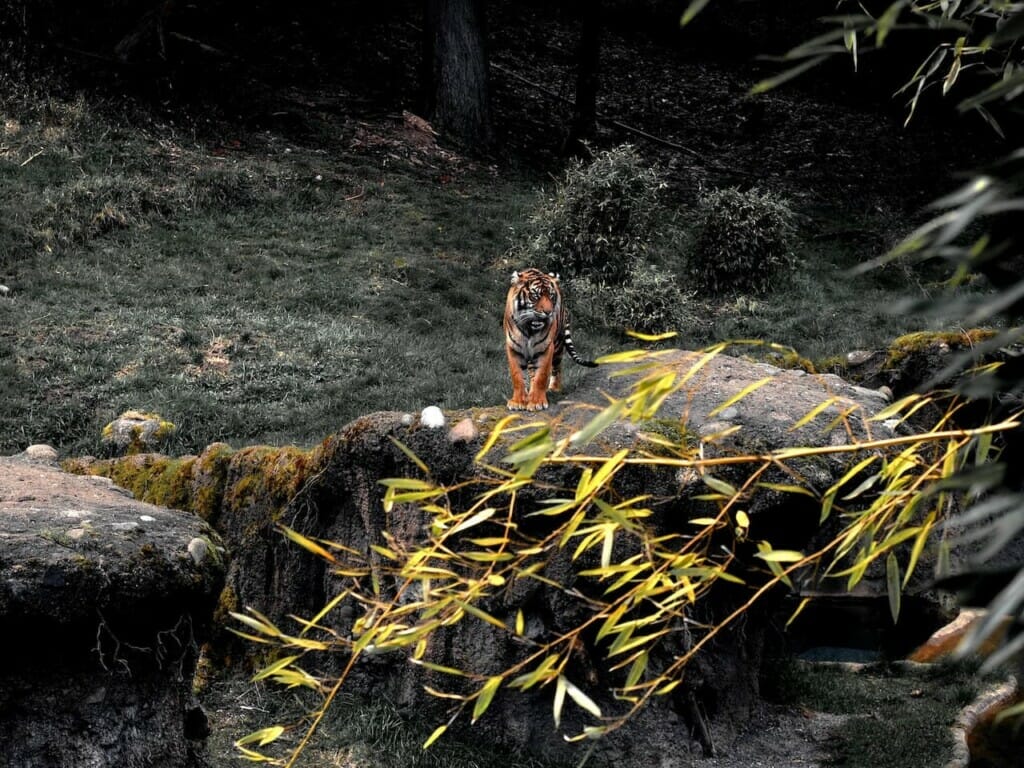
[103,603]
[333,492]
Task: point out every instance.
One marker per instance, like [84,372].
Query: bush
[743,242]
[650,301]
[599,220]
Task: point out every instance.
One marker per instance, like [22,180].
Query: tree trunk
[458,91]
[588,56]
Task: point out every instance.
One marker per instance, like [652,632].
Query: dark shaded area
[270,65]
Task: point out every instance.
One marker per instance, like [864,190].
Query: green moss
[156,479]
[139,443]
[835,364]
[209,478]
[792,361]
[922,341]
[270,477]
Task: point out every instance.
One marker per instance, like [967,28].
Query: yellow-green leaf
[892,581]
[718,485]
[435,735]
[599,423]
[496,433]
[652,336]
[799,609]
[780,556]
[812,414]
[483,700]
[479,517]
[582,700]
[753,387]
[412,456]
[306,543]
[271,669]
[261,737]
[559,700]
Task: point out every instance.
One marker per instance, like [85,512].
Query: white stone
[147,518]
[431,417]
[198,548]
[41,452]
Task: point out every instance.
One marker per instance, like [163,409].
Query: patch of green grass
[896,719]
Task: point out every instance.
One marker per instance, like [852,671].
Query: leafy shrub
[599,220]
[650,301]
[743,242]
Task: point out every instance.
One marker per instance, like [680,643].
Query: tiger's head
[534,299]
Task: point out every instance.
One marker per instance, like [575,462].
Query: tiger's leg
[555,384]
[518,401]
[538,388]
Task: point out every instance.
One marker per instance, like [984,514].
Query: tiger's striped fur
[536,334]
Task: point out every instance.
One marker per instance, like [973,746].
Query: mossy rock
[135,432]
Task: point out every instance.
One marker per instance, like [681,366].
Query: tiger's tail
[571,349]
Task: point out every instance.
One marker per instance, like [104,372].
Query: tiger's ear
[515,278]
[555,275]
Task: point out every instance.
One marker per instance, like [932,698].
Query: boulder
[104,602]
[332,492]
[136,432]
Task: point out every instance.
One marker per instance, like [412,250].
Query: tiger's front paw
[538,406]
[517,405]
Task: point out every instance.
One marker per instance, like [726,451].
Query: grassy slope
[255,287]
[232,290]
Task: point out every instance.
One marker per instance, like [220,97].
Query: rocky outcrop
[103,602]
[332,492]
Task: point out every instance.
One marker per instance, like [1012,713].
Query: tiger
[536,333]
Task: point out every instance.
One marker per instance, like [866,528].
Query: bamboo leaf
[694,8]
[559,701]
[479,517]
[892,583]
[307,543]
[493,437]
[753,387]
[780,556]
[272,669]
[520,623]
[582,700]
[598,424]
[652,336]
[435,735]
[486,696]
[261,737]
[605,471]
[718,485]
[438,668]
[412,456]
[785,488]
[799,609]
[627,356]
[472,610]
[919,542]
[774,82]
[636,670]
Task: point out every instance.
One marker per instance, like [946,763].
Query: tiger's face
[536,300]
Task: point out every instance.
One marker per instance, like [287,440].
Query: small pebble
[431,417]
